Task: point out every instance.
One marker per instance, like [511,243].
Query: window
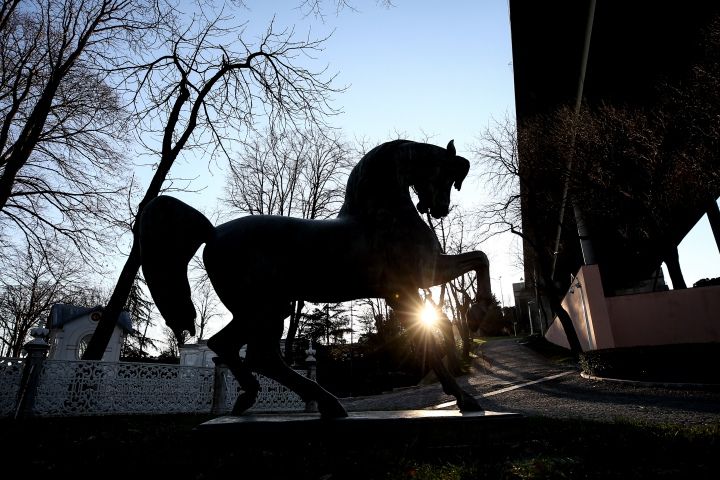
[82,345]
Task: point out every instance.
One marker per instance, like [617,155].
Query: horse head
[440,171]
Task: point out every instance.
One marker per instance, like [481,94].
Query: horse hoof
[332,410]
[243,402]
[469,404]
[332,415]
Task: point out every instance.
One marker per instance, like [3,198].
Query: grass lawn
[530,448]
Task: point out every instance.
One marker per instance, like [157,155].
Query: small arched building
[71,328]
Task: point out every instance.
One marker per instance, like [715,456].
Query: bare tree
[208,306]
[171,351]
[63,125]
[30,287]
[200,93]
[318,8]
[513,184]
[376,310]
[299,174]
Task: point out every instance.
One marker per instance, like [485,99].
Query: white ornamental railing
[70,388]
[40,387]
[272,396]
[11,370]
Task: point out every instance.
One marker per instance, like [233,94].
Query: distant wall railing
[36,386]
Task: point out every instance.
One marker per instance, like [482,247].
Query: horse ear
[451,147]
[461,168]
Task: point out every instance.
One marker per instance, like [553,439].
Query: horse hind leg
[264,357]
[272,365]
[227,344]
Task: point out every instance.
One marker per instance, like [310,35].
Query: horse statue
[377,247]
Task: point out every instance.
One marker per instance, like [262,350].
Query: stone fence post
[37,350]
[220,392]
[311,364]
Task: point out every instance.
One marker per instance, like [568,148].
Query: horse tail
[169,234]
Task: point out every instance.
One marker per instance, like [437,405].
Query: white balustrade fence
[107,388]
[272,396]
[40,387]
[11,370]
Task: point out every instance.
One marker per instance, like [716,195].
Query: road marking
[510,388]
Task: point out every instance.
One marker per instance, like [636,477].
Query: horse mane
[377,181]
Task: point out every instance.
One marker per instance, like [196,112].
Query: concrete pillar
[586,244]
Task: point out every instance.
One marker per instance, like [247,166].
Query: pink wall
[675,316]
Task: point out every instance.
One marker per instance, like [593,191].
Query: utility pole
[327,324]
[502,295]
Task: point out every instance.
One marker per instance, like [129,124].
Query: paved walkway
[508,376]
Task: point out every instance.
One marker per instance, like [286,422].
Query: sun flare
[428,315]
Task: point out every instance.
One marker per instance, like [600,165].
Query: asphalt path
[508,376]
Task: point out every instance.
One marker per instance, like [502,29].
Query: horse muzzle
[439,211]
[180,327]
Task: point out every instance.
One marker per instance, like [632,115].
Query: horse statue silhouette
[377,247]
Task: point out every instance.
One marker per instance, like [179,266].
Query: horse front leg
[465,401]
[445,268]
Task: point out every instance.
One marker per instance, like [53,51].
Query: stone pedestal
[385,429]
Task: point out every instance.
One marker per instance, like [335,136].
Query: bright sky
[433,69]
[699,255]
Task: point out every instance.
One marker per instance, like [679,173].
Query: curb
[641,383]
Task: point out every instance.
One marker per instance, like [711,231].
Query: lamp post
[327,324]
[502,295]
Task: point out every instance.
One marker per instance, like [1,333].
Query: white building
[71,328]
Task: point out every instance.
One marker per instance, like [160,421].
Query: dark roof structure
[634,47]
[62,313]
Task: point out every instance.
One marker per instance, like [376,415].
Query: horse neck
[377,183]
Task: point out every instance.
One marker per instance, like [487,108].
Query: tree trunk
[554,297]
[567,324]
[672,261]
[713,214]
[461,312]
[100,339]
[292,330]
[464,329]
[27,141]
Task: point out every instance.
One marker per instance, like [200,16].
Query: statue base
[427,427]
[399,416]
